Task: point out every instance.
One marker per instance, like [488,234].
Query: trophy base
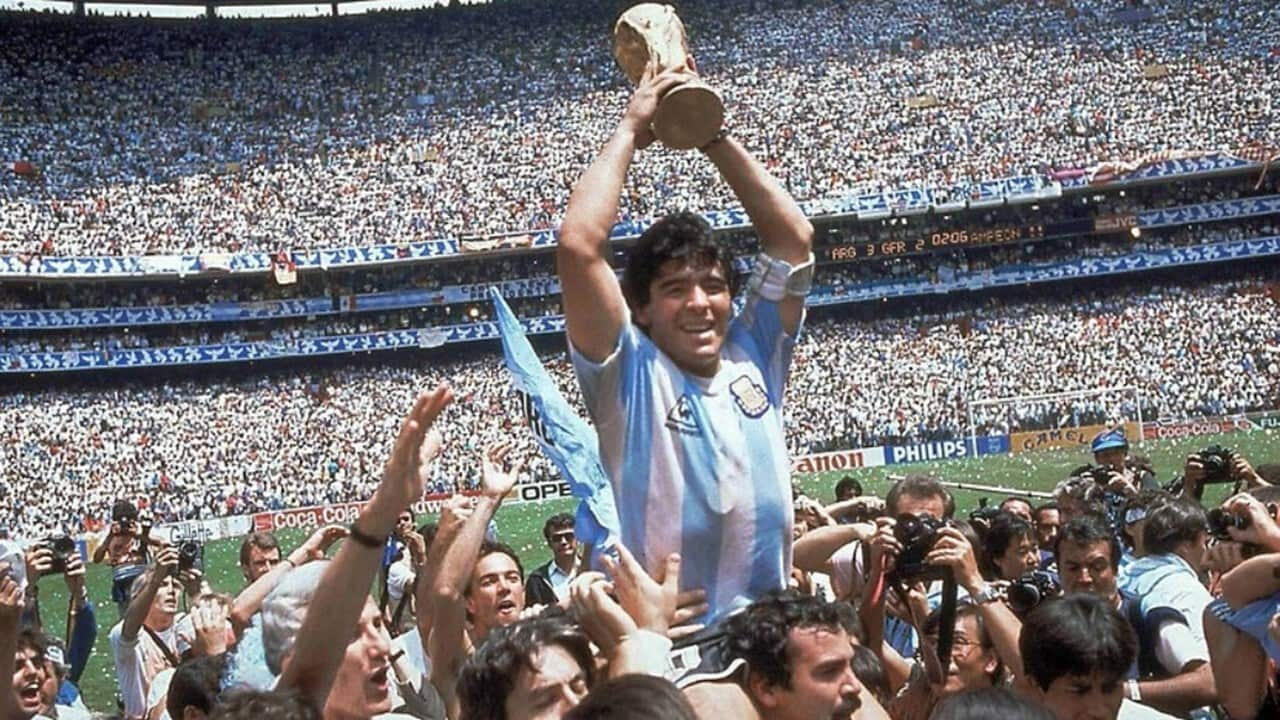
[688,116]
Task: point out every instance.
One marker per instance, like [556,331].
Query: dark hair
[555,523]
[760,633]
[30,639]
[987,703]
[634,697]
[919,486]
[870,672]
[1171,524]
[1087,530]
[261,540]
[1076,634]
[1270,472]
[488,547]
[488,676]
[684,236]
[123,510]
[1014,499]
[1035,512]
[1006,529]
[264,705]
[848,487]
[195,683]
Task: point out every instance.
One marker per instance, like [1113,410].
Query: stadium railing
[991,193]
[59,361]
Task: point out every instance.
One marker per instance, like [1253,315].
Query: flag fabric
[284,269]
[562,435]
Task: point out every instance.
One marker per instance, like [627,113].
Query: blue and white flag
[562,434]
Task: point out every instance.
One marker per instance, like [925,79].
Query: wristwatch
[987,594]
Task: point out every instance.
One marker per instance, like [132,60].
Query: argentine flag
[562,434]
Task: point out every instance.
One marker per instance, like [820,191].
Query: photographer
[1239,626]
[1111,450]
[985,630]
[125,550]
[147,640]
[1216,465]
[50,558]
[1009,548]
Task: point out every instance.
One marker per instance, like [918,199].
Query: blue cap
[1109,439]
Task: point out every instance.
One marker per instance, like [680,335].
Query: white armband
[776,280]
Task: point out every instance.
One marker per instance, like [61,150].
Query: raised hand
[317,545]
[405,477]
[644,101]
[495,480]
[651,602]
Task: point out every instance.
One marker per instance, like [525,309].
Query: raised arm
[785,233]
[335,609]
[249,601]
[453,518]
[447,645]
[594,307]
[10,619]
[139,606]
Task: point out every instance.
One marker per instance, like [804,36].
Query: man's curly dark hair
[759,634]
[680,236]
[489,675]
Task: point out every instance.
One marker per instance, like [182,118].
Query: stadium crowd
[403,127]
[194,449]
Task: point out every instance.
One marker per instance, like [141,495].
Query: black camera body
[62,548]
[1221,520]
[1034,587]
[1217,464]
[984,514]
[190,555]
[917,534]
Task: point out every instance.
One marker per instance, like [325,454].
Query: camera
[1221,519]
[984,514]
[190,555]
[1217,464]
[61,547]
[917,534]
[1033,588]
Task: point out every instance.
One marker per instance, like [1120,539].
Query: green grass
[521,525]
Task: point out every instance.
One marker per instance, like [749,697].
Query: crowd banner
[1060,438]
[1174,429]
[203,531]
[839,460]
[1266,420]
[1026,188]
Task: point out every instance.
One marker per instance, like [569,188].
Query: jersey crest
[751,398]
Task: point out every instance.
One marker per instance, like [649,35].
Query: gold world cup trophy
[690,114]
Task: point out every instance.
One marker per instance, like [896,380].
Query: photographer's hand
[1262,530]
[1243,471]
[1193,476]
[953,550]
[75,581]
[39,559]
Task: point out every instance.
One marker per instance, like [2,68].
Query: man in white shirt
[147,642]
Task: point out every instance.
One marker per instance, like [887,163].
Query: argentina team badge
[751,398]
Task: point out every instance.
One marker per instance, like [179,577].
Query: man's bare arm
[785,233]
[594,307]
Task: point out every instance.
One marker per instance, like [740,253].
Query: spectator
[549,583]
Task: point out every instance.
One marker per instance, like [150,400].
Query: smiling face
[362,687]
[688,313]
[496,595]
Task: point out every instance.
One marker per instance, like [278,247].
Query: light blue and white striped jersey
[699,465]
